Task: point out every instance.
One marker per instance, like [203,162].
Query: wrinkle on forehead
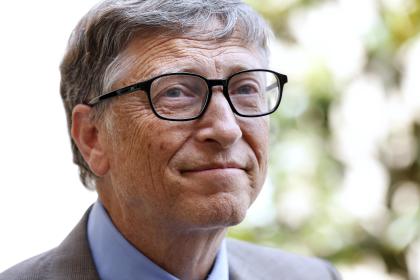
[146,57]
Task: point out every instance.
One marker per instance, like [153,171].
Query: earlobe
[85,134]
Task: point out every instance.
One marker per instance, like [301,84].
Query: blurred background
[345,161]
[344,165]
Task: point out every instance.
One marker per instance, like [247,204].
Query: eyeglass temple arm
[270,87]
[129,89]
[283,80]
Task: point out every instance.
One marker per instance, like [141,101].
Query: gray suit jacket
[72,259]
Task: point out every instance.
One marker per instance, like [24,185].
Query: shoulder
[31,269]
[259,262]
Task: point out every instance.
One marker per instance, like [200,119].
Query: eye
[173,93]
[245,90]
[177,95]
[178,90]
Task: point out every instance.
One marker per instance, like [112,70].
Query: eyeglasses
[185,96]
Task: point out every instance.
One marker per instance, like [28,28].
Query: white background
[41,198]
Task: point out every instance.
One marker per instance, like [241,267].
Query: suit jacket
[72,259]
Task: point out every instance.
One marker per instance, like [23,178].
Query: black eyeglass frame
[145,86]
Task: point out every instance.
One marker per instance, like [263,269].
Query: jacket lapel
[72,258]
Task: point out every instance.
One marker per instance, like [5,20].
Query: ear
[85,134]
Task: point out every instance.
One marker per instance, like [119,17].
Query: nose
[219,124]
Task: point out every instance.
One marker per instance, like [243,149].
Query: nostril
[224,136]
[223,130]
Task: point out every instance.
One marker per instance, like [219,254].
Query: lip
[214,167]
[214,174]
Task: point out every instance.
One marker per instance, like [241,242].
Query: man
[167,105]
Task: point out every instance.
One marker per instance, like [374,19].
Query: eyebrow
[180,69]
[240,67]
[198,70]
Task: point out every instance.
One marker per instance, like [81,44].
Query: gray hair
[95,46]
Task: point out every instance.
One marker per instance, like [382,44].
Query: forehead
[213,58]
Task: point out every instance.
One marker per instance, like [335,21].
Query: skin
[172,188]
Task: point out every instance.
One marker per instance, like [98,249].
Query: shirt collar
[116,258]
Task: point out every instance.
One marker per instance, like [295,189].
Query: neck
[186,254]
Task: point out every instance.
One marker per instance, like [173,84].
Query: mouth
[218,167]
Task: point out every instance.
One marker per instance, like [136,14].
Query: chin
[220,211]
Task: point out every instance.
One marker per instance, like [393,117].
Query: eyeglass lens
[254,93]
[184,96]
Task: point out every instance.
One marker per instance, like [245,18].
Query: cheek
[143,148]
[256,135]
[131,129]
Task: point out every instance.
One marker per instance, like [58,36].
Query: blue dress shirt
[116,259]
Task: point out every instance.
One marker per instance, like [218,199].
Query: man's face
[203,173]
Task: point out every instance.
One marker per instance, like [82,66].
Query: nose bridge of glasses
[217,83]
[221,85]
[214,83]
